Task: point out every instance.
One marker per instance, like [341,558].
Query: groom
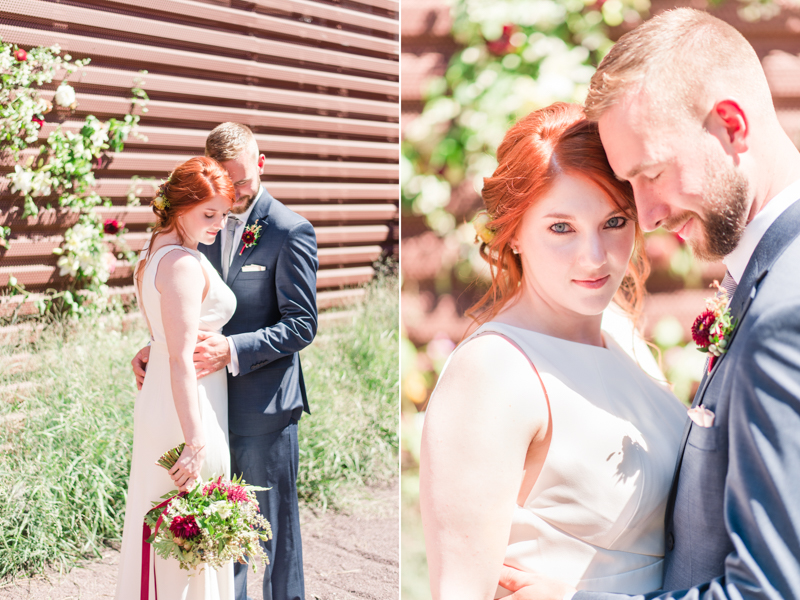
[685,114]
[273,275]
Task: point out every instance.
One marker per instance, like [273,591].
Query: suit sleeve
[762,487]
[296,288]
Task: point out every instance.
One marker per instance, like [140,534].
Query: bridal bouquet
[211,523]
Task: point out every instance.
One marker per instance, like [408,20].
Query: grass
[66,429]
[350,440]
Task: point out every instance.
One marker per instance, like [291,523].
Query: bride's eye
[560,228]
[616,222]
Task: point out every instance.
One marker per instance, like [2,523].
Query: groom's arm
[762,487]
[296,288]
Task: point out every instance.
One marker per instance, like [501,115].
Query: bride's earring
[514,249]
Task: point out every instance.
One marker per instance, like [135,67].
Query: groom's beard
[242,205]
[725,195]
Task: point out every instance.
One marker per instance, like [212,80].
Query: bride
[179,293]
[545,446]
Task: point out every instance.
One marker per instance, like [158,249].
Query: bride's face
[575,245]
[202,223]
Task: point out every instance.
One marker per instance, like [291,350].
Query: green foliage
[517,56]
[63,165]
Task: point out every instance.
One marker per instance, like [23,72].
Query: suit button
[670,541]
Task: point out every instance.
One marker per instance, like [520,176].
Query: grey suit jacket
[275,318]
[733,515]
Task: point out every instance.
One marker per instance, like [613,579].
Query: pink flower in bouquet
[184,527]
[21,55]
[234,493]
[38,121]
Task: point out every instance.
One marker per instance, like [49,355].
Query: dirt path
[351,556]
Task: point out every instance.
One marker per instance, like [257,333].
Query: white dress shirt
[737,260]
[233,366]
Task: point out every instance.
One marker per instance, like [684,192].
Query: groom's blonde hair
[680,57]
[228,141]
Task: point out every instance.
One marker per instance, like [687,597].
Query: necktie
[227,248]
[728,284]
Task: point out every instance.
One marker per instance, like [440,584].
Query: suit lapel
[777,238]
[259,213]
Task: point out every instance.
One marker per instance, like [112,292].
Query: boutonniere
[250,236]
[712,330]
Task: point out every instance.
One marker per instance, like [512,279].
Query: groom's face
[245,172]
[682,179]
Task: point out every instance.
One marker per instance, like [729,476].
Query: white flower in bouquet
[65,95]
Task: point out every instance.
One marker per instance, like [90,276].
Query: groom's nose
[652,211]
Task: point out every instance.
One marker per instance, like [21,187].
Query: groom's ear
[730,123]
[261,160]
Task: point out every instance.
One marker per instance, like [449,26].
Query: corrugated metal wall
[317,81]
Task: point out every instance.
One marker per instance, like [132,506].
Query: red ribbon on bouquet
[146,533]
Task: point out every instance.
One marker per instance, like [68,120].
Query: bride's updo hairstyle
[553,141]
[191,183]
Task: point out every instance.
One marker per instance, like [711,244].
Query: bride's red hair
[541,146]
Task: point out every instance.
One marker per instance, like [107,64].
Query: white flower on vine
[65,95]
[21,180]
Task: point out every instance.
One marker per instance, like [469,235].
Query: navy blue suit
[275,318]
[733,515]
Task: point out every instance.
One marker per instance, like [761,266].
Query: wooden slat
[344,256]
[156,163]
[328,12]
[194,139]
[390,5]
[265,24]
[178,112]
[199,88]
[155,58]
[282,190]
[344,277]
[173,32]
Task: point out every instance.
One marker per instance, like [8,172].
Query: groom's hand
[139,364]
[211,353]
[532,586]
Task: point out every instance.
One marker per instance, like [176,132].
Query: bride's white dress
[157,429]
[595,516]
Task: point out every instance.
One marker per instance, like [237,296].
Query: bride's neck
[531,311]
[171,238]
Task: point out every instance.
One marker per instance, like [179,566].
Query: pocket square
[252,268]
[701,416]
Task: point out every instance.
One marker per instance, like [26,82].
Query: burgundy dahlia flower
[184,527]
[112,226]
[702,328]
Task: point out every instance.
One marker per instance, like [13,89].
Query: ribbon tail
[711,360]
[145,579]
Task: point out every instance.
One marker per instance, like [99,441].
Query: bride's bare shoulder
[489,370]
[179,269]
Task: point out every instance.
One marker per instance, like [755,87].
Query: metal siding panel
[332,137]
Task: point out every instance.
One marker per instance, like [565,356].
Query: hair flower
[713,328]
[481,225]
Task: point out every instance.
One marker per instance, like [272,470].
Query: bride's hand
[187,470]
[533,586]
